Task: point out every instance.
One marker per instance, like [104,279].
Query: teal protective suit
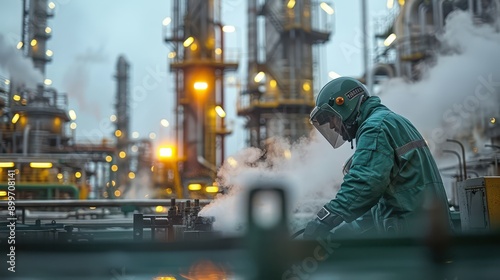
[393,177]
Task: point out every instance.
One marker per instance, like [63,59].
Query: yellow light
[212,189]
[200,85]
[232,162]
[493,120]
[49,53]
[218,51]
[72,115]
[48,30]
[122,154]
[306,86]
[15,118]
[389,40]
[16,97]
[73,125]
[220,111]
[52,5]
[194,187]
[33,42]
[113,183]
[171,54]
[118,133]
[164,278]
[6,164]
[41,164]
[114,168]
[118,193]
[401,2]
[164,123]
[152,168]
[287,154]
[169,191]
[60,176]
[188,42]
[259,77]
[159,209]
[166,21]
[390,4]
[19,45]
[194,47]
[109,158]
[166,152]
[131,175]
[3,193]
[291,4]
[78,174]
[112,118]
[329,10]
[47,82]
[273,83]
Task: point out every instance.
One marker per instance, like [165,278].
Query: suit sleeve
[368,177]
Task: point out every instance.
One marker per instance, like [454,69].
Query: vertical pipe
[422,11]
[364,27]
[471,7]
[463,155]
[459,163]
[25,139]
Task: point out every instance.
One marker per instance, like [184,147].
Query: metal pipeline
[207,164]
[471,7]
[422,15]
[25,139]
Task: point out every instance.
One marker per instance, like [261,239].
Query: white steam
[448,102]
[309,170]
[19,68]
[460,91]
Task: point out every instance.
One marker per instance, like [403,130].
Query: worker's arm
[368,177]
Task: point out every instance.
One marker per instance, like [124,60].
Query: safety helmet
[337,109]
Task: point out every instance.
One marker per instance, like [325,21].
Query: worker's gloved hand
[321,226]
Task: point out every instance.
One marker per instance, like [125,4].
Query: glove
[322,225]
[316,228]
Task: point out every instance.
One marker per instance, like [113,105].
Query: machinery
[479,204]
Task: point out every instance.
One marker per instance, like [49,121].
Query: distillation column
[199,65]
[280,91]
[36,32]
[121,158]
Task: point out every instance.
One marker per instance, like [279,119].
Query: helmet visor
[329,123]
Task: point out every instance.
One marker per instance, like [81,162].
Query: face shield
[329,123]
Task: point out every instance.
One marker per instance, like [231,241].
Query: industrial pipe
[422,16]
[25,139]
[460,178]
[496,159]
[463,155]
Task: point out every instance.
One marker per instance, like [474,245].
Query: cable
[299,232]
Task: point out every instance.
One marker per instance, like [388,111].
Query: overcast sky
[88,36]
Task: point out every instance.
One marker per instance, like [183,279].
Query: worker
[392,177]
